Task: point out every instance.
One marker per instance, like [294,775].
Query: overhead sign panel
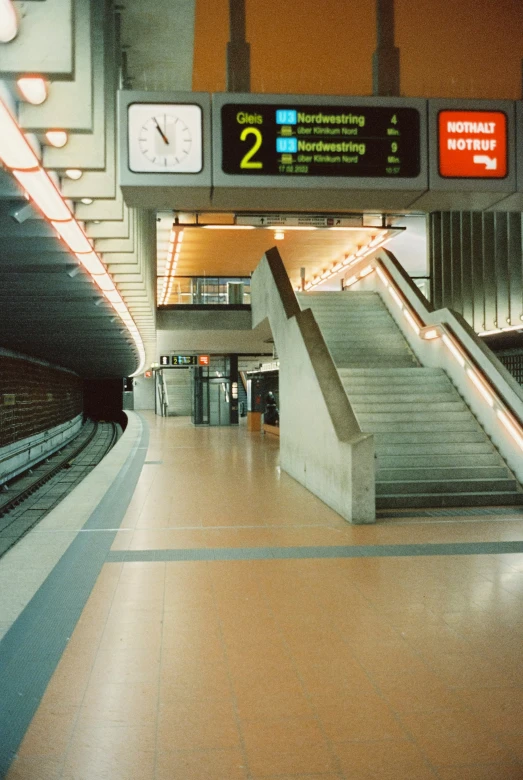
[276,152]
[307,140]
[472,144]
[300,220]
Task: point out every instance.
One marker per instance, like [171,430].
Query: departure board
[320,140]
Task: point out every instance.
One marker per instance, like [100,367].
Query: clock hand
[165,139]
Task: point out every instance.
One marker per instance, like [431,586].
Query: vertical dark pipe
[386,58]
[238,50]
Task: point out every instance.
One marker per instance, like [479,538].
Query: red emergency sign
[203,360]
[472,144]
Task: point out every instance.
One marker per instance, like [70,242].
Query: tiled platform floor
[371,668]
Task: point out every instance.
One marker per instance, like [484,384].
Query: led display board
[472,144]
[343,140]
[184,360]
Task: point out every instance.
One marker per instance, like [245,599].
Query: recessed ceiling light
[57,138]
[8,21]
[74,173]
[86,201]
[33,89]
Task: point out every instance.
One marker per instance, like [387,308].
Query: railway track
[31,496]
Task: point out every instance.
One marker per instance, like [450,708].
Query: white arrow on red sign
[490,163]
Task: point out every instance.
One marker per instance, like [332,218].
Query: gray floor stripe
[357,551]
[33,646]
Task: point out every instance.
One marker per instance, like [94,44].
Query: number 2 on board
[247,161]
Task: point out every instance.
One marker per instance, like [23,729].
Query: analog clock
[165,138]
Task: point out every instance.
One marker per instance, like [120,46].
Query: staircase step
[451,500]
[390,373]
[431,437]
[392,399]
[401,407]
[429,448]
[396,388]
[363,364]
[428,459]
[447,487]
[442,474]
[416,415]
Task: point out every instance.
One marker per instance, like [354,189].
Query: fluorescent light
[396,297]
[113,296]
[366,271]
[8,21]
[481,387]
[279,235]
[33,89]
[44,194]
[412,322]
[57,138]
[325,275]
[86,201]
[92,263]
[512,427]
[348,260]
[74,236]
[350,281]
[180,236]
[104,282]
[363,250]
[74,173]
[382,276]
[430,334]
[453,348]
[295,227]
[15,151]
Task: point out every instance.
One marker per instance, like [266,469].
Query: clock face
[165,138]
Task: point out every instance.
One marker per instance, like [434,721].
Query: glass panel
[207,290]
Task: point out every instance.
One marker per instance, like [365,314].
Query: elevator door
[219,402]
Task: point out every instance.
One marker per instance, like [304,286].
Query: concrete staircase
[430,449]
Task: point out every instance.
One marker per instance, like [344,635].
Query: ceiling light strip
[363,251]
[18,156]
[173,254]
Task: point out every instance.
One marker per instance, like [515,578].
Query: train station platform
[196,614]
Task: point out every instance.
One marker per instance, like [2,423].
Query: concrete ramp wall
[321,443]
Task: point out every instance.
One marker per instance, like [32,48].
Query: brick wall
[34,398]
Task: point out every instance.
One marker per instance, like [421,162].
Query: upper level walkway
[211,619]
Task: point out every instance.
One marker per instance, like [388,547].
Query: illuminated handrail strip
[18,156]
[457,349]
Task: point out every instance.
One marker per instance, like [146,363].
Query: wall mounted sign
[204,360]
[306,140]
[472,144]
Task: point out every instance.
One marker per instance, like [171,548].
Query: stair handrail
[496,385]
